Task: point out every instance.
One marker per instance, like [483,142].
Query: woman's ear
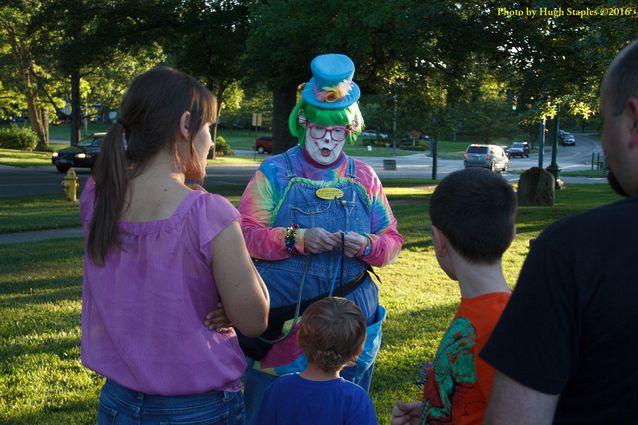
[184,123]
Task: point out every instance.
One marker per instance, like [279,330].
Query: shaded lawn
[42,380]
[37,213]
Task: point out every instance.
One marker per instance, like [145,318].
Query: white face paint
[323,150]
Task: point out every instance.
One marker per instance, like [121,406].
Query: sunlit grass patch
[19,158]
[236,160]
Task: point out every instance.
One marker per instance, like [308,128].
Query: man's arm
[514,403]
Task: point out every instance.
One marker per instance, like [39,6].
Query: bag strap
[297,308]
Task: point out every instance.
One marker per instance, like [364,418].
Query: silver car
[492,157]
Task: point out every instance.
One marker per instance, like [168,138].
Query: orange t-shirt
[458,383]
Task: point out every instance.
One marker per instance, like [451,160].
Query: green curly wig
[350,116]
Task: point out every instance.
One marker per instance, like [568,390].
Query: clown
[316,218]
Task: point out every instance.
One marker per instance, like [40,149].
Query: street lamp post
[553,167]
[541,142]
[394,127]
[433,146]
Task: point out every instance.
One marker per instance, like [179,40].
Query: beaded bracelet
[291,232]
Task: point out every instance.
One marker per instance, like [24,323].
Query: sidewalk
[40,235]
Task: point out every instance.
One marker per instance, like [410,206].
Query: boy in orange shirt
[472,213]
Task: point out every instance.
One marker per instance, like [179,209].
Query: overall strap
[351,171]
[290,171]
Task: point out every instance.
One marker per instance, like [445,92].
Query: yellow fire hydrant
[70,184]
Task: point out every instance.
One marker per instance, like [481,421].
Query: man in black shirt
[566,347]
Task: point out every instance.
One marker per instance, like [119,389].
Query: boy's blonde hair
[332,332]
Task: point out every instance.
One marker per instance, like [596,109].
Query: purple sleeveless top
[143,311]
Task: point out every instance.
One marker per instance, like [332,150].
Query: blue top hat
[331,85]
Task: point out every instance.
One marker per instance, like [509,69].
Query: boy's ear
[359,351]
[632,111]
[513,235]
[439,241]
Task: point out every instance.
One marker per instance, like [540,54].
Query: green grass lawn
[584,173]
[574,173]
[18,158]
[38,213]
[43,382]
[63,131]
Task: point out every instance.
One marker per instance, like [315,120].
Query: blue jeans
[121,406]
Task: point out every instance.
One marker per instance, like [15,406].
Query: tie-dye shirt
[267,188]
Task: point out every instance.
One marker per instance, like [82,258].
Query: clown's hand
[353,243]
[317,240]
[406,413]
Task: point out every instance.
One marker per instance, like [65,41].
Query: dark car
[81,156]
[520,149]
[263,144]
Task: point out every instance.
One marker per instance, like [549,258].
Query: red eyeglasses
[338,133]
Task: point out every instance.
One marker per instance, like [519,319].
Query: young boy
[332,332]
[472,213]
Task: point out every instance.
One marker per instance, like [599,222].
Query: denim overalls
[301,205]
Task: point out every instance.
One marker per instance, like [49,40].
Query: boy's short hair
[332,330]
[475,209]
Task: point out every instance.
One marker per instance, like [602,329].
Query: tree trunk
[45,125]
[24,63]
[75,107]
[39,119]
[218,98]
[283,102]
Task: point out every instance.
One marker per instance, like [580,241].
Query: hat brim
[308,95]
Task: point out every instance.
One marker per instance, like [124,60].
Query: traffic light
[514,102]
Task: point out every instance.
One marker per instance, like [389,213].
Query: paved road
[568,158]
[16,182]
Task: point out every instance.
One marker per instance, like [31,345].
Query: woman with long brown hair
[159,257]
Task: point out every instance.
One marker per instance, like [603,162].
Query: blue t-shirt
[292,400]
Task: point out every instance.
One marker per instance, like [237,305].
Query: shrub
[407,145]
[22,138]
[222,148]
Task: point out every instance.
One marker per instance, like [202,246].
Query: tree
[562,59]
[20,70]
[107,83]
[209,42]
[279,50]
[79,37]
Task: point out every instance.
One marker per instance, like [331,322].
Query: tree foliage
[284,38]
[22,69]
[429,61]
[209,41]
